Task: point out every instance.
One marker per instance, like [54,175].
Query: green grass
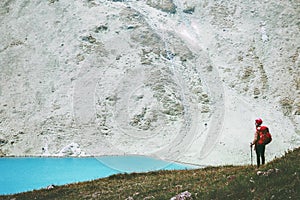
[227,182]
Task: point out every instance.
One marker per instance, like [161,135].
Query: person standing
[262,137]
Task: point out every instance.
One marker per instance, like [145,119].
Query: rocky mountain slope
[178,80]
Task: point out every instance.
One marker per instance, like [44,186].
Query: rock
[182,196]
[52,1]
[259,173]
[49,187]
[89,39]
[71,149]
[268,172]
[3,142]
[165,5]
[2,154]
[101,28]
[189,10]
[149,197]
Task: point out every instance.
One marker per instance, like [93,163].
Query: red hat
[258,121]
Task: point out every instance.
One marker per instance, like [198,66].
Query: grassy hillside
[278,179]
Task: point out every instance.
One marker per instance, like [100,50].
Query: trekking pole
[251,153]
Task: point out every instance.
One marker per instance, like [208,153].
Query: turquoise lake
[30,173]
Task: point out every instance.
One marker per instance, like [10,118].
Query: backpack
[264,136]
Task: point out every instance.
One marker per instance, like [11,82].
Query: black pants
[260,153]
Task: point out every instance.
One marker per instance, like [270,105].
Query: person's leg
[263,148]
[257,155]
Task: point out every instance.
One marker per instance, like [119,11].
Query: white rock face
[178,80]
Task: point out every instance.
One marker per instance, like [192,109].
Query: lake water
[25,174]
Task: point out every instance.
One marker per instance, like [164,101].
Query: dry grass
[279,179]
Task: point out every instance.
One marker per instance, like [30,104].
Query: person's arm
[255,138]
